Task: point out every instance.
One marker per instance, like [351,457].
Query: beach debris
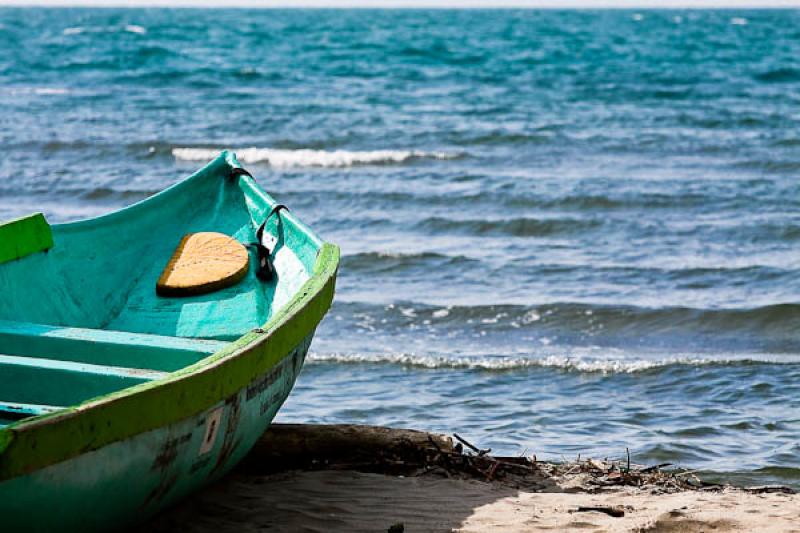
[597,465]
[405,452]
[654,468]
[617,511]
[472,447]
[399,527]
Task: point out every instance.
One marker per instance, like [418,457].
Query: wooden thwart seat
[103,347]
[45,367]
[40,381]
[18,411]
[56,365]
[11,412]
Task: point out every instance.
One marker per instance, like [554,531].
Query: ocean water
[563,232]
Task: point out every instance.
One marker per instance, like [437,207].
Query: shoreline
[366,478]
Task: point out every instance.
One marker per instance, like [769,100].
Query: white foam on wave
[133,28]
[50,90]
[313,158]
[39,91]
[739,21]
[129,28]
[505,363]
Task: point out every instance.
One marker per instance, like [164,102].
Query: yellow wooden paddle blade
[203,262]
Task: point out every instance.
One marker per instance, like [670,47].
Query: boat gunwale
[27,445]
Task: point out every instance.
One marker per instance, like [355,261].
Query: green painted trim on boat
[48,439]
[24,236]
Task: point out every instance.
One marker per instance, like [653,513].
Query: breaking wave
[127,28]
[314,158]
[564,362]
[779,322]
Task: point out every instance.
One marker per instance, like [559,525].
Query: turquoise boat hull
[115,403]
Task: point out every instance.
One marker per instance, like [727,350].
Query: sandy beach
[272,491]
[326,501]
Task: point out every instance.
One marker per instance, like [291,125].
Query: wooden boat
[116,401]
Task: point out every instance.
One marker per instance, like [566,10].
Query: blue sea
[563,232]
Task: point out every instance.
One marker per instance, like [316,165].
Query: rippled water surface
[566,232]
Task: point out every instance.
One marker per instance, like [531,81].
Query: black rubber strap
[239,171]
[275,209]
[265,272]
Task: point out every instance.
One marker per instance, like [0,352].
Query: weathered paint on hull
[127,481]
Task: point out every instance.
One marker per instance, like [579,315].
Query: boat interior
[79,313]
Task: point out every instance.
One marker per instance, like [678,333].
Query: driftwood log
[345,446]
